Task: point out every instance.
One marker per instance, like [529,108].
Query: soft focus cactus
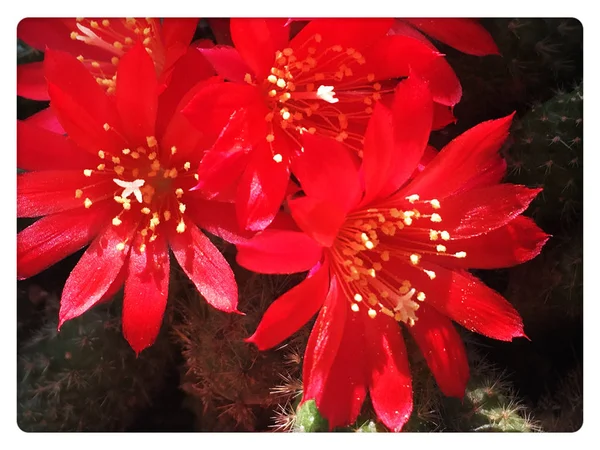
[85,377]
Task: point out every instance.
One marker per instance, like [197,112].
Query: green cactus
[85,377]
[547,152]
[230,382]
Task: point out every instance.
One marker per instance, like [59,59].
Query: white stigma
[131,187]
[327,93]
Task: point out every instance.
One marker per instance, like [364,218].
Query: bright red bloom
[324,81]
[120,180]
[385,244]
[99,44]
[465,35]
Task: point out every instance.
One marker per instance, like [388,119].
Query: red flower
[99,44]
[120,180]
[394,247]
[325,81]
[465,35]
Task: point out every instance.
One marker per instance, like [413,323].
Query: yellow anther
[155,165]
[421,296]
[101,154]
[101,166]
[272,93]
[152,156]
[78,193]
[143,248]
[114,60]
[288,51]
[372,272]
[358,297]
[152,238]
[119,170]
[272,79]
[433,235]
[281,83]
[173,150]
[187,165]
[87,172]
[412,198]
[440,248]
[181,208]
[435,217]
[285,97]
[126,205]
[106,22]
[270,138]
[94,24]
[435,204]
[116,221]
[144,232]
[151,140]
[277,158]
[354,307]
[146,210]
[167,215]
[369,245]
[95,64]
[120,246]
[430,273]
[385,256]
[173,173]
[372,313]
[74,35]
[118,45]
[179,192]
[377,86]
[414,258]
[460,254]
[408,221]
[286,115]
[126,151]
[312,130]
[181,226]
[80,59]
[445,235]
[147,31]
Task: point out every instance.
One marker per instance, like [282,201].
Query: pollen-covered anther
[369,245]
[270,138]
[126,151]
[435,217]
[430,273]
[78,193]
[415,258]
[101,154]
[173,150]
[142,248]
[460,254]
[167,215]
[445,235]
[101,166]
[433,235]
[277,158]
[354,307]
[435,204]
[120,246]
[327,94]
[248,78]
[178,192]
[358,297]
[87,203]
[440,248]
[421,296]
[87,172]
[145,210]
[116,221]
[413,198]
[372,313]
[106,127]
[181,208]
[180,226]
[151,141]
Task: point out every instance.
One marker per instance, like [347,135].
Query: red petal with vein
[39,149]
[211,107]
[146,291]
[31,82]
[515,243]
[95,272]
[80,103]
[262,188]
[324,342]
[228,62]
[53,238]
[292,310]
[136,94]
[443,350]
[47,120]
[337,180]
[320,219]
[485,209]
[464,158]
[346,386]
[396,56]
[257,40]
[205,266]
[55,34]
[469,302]
[390,385]
[279,251]
[52,191]
[217,218]
[465,35]
[356,33]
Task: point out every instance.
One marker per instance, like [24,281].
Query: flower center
[320,92]
[117,36]
[372,243]
[146,188]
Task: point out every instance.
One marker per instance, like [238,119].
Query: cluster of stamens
[117,40]
[364,246]
[303,98]
[144,186]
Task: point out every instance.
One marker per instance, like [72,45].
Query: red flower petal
[464,158]
[262,187]
[31,82]
[402,28]
[465,35]
[337,180]
[137,95]
[52,191]
[228,62]
[324,342]
[205,266]
[95,272]
[469,302]
[443,350]
[292,310]
[320,219]
[442,116]
[80,103]
[178,31]
[220,29]
[47,120]
[390,385]
[53,238]
[279,251]
[216,217]
[257,40]
[40,149]
[341,399]
[146,291]
[515,243]
[485,209]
